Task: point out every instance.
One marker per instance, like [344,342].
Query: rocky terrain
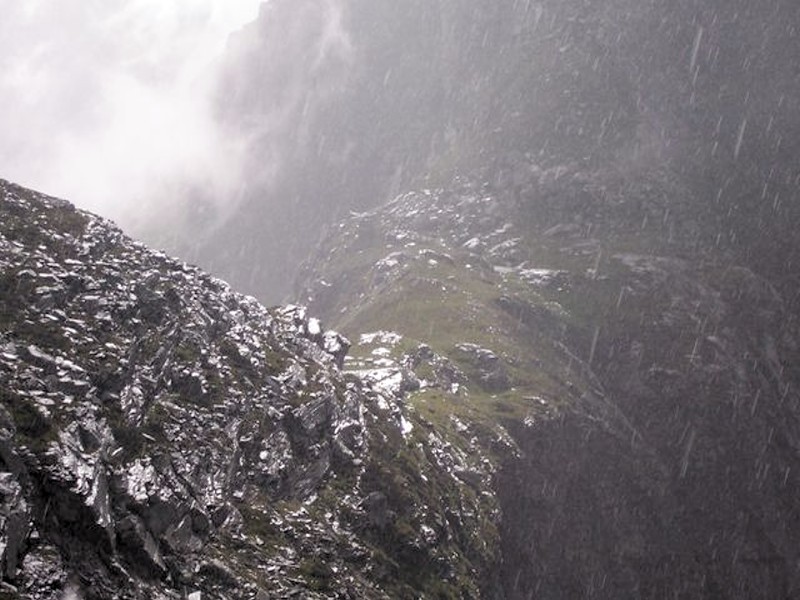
[561,238]
[562,382]
[162,436]
[645,374]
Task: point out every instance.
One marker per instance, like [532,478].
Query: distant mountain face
[348,102]
[162,436]
[645,374]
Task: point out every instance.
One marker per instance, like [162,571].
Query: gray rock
[376,507]
[15,520]
[134,539]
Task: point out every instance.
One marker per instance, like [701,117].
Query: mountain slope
[645,373]
[162,435]
[346,103]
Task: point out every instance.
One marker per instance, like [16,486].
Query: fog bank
[109,104]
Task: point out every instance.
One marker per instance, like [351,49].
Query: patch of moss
[187,352]
[34,426]
[68,220]
[257,523]
[157,417]
[317,574]
[128,436]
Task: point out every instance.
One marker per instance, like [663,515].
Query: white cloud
[108,103]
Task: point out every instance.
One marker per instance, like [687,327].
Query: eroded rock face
[649,385]
[162,435]
[350,102]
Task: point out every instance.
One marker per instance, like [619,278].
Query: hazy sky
[107,102]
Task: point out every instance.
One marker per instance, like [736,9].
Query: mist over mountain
[347,103]
[560,239]
[110,103]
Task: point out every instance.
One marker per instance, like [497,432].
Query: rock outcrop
[643,372]
[163,436]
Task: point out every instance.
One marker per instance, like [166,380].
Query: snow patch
[406,426]
[380,337]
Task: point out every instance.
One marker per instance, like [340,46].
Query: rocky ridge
[641,367]
[163,436]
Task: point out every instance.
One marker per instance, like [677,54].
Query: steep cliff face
[161,435]
[348,102]
[644,371]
